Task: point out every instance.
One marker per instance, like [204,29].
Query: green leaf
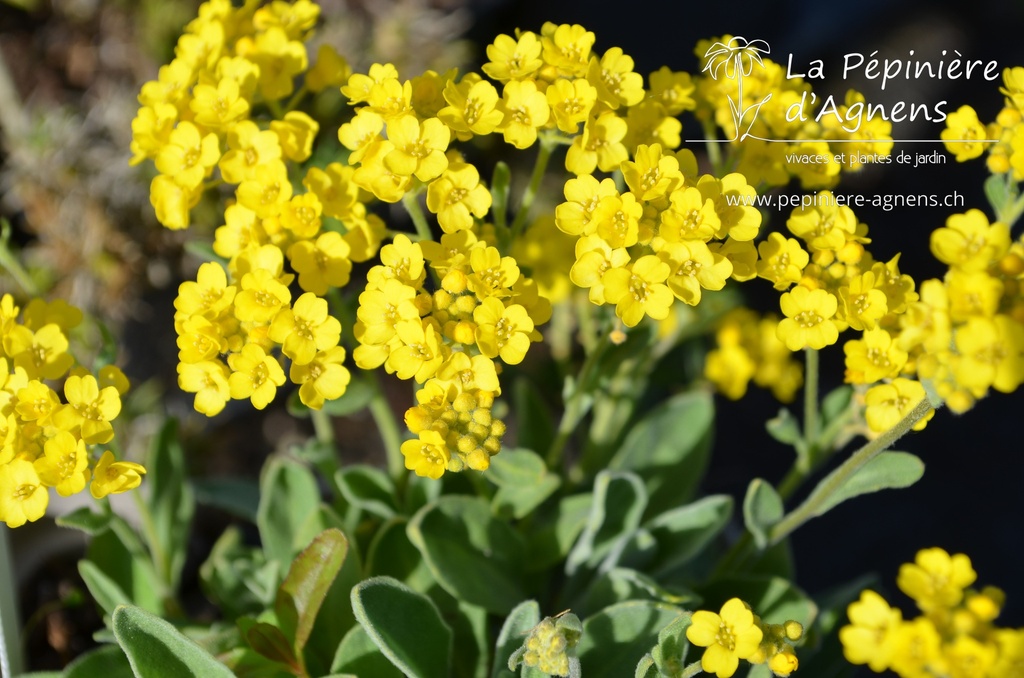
[238,578]
[523,481]
[670,652]
[617,637]
[86,520]
[203,251]
[784,428]
[835,403]
[306,585]
[669,448]
[513,632]
[682,533]
[621,584]
[774,599]
[367,488]
[107,593]
[762,508]
[619,503]
[358,655]
[536,425]
[646,668]
[119,554]
[270,641]
[889,470]
[156,649]
[288,497]
[997,190]
[108,661]
[554,535]
[171,502]
[475,557]
[238,496]
[406,626]
[392,554]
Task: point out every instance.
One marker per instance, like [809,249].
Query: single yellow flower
[729,636]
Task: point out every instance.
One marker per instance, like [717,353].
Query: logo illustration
[736,60]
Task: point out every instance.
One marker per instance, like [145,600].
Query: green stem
[322,426]
[714,153]
[296,99]
[811,425]
[547,145]
[387,424]
[577,406]
[411,203]
[9,262]
[847,470]
[10,643]
[275,108]
[692,670]
[161,560]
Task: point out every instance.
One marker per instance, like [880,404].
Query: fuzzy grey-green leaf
[156,649]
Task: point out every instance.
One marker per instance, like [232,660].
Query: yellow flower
[254,375]
[729,636]
[695,267]
[322,264]
[322,378]
[600,146]
[420,353]
[114,477]
[305,329]
[824,226]
[418,147]
[457,196]
[963,134]
[43,354]
[863,304]
[935,579]
[262,296]
[209,381]
[617,219]
[874,357]
[571,102]
[916,646]
[267,190]
[613,76]
[969,243]
[512,59]
[188,156]
[808,322]
[594,258]
[651,175]
[296,132]
[472,107]
[639,290]
[990,354]
[782,261]
[217,107]
[427,456]
[89,407]
[566,48]
[869,637]
[23,497]
[330,70]
[502,331]
[582,194]
[65,465]
[887,404]
[208,295]
[524,109]
[279,59]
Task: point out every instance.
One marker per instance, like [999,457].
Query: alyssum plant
[521,543]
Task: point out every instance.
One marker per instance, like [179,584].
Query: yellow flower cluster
[1006,155]
[670,236]
[954,637]
[736,633]
[749,350]
[483,309]
[764,163]
[227,334]
[47,441]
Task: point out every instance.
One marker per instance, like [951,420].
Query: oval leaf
[617,637]
[155,648]
[306,585]
[288,496]
[889,470]
[406,626]
[619,503]
[475,557]
[669,448]
[682,533]
[520,620]
[359,656]
[762,508]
